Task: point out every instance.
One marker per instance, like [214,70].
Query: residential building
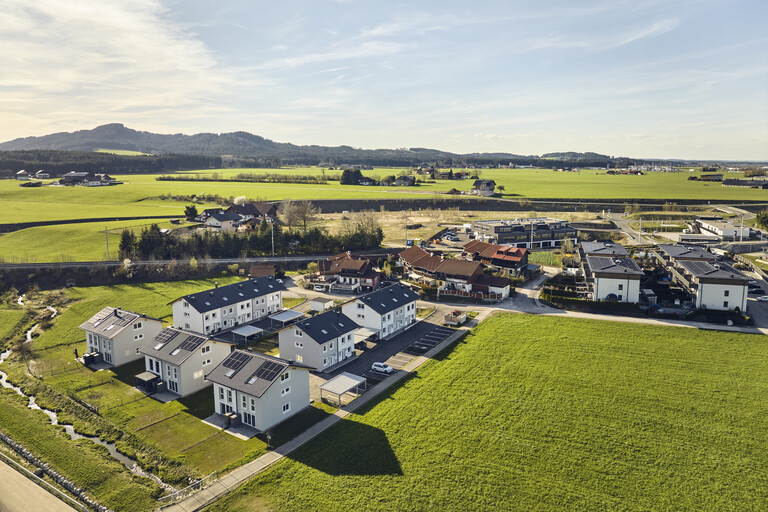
[261,390]
[613,278]
[320,341]
[22,175]
[668,255]
[346,273]
[483,188]
[223,221]
[504,258]
[386,312]
[114,335]
[533,233]
[226,307]
[42,175]
[723,229]
[712,285]
[180,359]
[78,178]
[257,211]
[609,250]
[203,216]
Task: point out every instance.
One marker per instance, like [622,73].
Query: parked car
[756,291]
[382,367]
[319,288]
[764,298]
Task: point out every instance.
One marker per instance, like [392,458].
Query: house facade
[320,341]
[113,335]
[499,257]
[533,233]
[613,278]
[346,273]
[262,390]
[223,221]
[485,188]
[386,312]
[712,285]
[180,359]
[226,307]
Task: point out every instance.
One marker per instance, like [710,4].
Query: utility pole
[406,231]
[106,236]
[272,224]
[741,230]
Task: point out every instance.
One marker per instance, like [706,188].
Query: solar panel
[191,343]
[165,336]
[236,361]
[267,371]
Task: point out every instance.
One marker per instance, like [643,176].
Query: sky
[639,78]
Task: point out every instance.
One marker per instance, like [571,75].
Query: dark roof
[703,269]
[254,209]
[110,321]
[222,217]
[684,252]
[480,183]
[389,298]
[262,269]
[489,280]
[619,266]
[419,258]
[215,298]
[173,345]
[250,372]
[603,249]
[326,326]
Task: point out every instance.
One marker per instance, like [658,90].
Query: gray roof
[223,217]
[603,249]
[684,252]
[619,266]
[110,321]
[703,269]
[389,298]
[216,298]
[250,372]
[173,345]
[326,326]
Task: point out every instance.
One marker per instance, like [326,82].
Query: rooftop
[703,269]
[603,249]
[686,252]
[622,266]
[389,298]
[326,326]
[221,296]
[173,345]
[249,372]
[110,321]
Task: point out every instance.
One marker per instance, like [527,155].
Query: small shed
[342,384]
[320,304]
[146,382]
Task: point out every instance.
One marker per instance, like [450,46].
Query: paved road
[19,494]
[635,236]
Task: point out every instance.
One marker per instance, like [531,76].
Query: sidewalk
[240,475]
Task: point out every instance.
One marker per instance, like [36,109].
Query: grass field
[541,413]
[126,152]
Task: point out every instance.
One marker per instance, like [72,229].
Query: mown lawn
[542,413]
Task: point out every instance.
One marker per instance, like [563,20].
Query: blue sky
[641,78]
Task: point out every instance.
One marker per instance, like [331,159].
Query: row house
[385,312]
[225,307]
[320,341]
[113,336]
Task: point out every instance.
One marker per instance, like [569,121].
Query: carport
[246,332]
[364,334]
[285,317]
[342,384]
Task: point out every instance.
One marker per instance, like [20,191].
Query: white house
[22,175]
[615,278]
[223,221]
[713,286]
[114,335]
[262,390]
[225,307]
[386,312]
[320,341]
[181,359]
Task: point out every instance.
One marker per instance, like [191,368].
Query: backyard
[543,413]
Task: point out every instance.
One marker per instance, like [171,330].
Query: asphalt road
[20,494]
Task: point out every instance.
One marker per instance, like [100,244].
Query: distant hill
[244,146]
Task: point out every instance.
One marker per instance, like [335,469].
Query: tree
[501,188]
[190,212]
[305,213]
[127,246]
[762,218]
[288,211]
[240,200]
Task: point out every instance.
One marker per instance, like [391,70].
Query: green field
[542,413]
[126,152]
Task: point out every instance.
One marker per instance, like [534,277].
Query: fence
[194,486]
[472,295]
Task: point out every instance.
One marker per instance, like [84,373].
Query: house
[106,179]
[712,285]
[405,181]
[530,233]
[609,250]
[203,216]
[320,341]
[262,270]
[180,360]
[22,175]
[386,312]
[483,188]
[711,177]
[78,178]
[42,175]
[613,278]
[261,390]
[668,255]
[225,307]
[256,211]
[504,258]
[114,335]
[346,273]
[223,221]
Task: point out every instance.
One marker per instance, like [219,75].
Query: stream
[69,429]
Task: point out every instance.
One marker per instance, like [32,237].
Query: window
[221,393]
[298,344]
[186,326]
[213,315]
[299,359]
[360,305]
[285,377]
[325,361]
[325,348]
[726,293]
[361,316]
[621,287]
[725,304]
[206,349]
[185,304]
[137,325]
[299,333]
[286,391]
[286,407]
[206,362]
[243,401]
[230,310]
[229,395]
[207,317]
[138,337]
[186,314]
[331,344]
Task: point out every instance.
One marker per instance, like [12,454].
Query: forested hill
[266,153]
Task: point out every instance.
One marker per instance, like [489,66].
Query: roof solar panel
[267,371]
[236,361]
[165,336]
[191,343]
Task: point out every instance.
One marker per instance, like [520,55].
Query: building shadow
[352,448]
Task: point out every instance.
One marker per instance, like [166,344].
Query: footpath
[234,479]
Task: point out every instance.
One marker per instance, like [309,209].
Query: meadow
[544,413]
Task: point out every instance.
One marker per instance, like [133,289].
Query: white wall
[712,296]
[628,289]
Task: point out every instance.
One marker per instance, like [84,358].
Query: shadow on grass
[199,404]
[127,372]
[295,425]
[355,449]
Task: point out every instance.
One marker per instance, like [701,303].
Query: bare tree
[305,213]
[288,212]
